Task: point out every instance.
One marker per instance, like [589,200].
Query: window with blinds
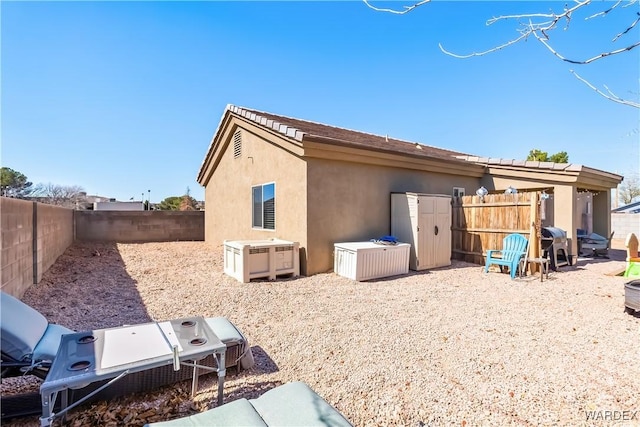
[264,206]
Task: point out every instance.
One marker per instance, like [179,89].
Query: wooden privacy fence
[479,224]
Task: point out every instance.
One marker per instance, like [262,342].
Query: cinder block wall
[145,226]
[34,235]
[623,224]
[55,233]
[16,228]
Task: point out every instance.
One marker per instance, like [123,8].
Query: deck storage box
[368,260]
[253,259]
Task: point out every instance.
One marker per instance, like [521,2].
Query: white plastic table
[87,357]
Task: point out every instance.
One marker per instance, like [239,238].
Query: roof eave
[567,169]
[202,175]
[453,165]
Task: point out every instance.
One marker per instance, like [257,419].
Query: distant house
[118,206]
[268,176]
[631,208]
[80,201]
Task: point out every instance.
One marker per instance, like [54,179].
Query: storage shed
[423,221]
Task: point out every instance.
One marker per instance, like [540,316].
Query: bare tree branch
[544,41]
[55,194]
[630,188]
[540,30]
[406,9]
[544,25]
[604,12]
[627,30]
[610,96]
[540,25]
[494,49]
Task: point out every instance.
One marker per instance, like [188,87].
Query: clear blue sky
[122,98]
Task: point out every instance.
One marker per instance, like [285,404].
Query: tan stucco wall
[319,201]
[500,183]
[584,211]
[564,214]
[351,202]
[228,193]
[602,213]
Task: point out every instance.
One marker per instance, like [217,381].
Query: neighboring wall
[622,224]
[140,226]
[17,245]
[55,233]
[34,235]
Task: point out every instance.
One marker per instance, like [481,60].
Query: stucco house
[270,176]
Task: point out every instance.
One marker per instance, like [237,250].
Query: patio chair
[512,254]
[29,343]
[291,404]
[597,244]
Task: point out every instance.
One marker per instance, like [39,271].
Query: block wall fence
[34,235]
[623,224]
[139,226]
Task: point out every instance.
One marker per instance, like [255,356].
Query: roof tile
[298,129]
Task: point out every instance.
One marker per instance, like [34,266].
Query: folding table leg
[194,381]
[220,360]
[48,402]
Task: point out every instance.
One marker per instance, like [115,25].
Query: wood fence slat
[479,225]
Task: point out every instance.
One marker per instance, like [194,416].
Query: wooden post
[534,233]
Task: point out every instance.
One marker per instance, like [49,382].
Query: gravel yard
[451,346]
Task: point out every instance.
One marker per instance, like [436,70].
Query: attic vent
[237,144]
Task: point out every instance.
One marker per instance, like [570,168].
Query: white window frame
[259,223]
[458,191]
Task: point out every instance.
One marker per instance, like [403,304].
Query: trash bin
[632,296]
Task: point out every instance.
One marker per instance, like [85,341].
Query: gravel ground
[450,346]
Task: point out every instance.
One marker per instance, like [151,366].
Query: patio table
[84,358]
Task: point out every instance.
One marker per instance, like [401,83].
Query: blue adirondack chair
[514,250]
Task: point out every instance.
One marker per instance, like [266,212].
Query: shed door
[442,241]
[426,254]
[434,238]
